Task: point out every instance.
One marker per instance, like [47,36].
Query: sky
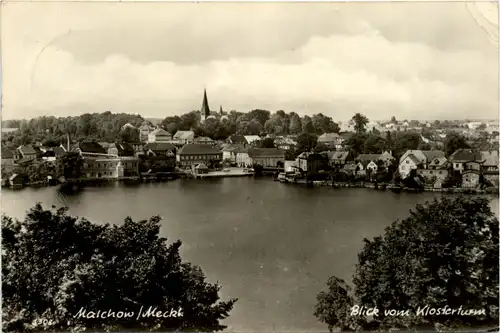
[409,60]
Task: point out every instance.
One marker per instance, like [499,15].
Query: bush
[444,254]
[54,265]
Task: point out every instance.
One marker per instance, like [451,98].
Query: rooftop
[195,148]
[266,152]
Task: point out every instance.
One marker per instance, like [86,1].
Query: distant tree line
[107,126]
[52,131]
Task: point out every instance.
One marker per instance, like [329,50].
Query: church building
[205,109]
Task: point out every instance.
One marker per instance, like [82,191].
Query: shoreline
[321,183]
[391,187]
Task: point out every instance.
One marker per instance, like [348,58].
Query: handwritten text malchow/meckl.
[143,313]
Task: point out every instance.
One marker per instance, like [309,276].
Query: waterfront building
[471,174]
[462,156]
[338,158]
[312,163]
[408,163]
[368,162]
[266,157]
[413,159]
[350,169]
[16,180]
[229,153]
[193,153]
[7,159]
[110,166]
[242,157]
[490,166]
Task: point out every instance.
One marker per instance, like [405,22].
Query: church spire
[205,109]
[221,112]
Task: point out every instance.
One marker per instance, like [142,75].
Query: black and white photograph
[246,167]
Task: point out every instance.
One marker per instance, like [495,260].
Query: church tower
[205,109]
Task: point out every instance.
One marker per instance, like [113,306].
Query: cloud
[356,64]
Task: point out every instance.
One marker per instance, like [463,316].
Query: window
[407,161]
[440,172]
[430,172]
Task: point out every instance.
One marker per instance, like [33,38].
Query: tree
[323,124]
[393,120]
[454,141]
[389,143]
[70,166]
[356,143]
[267,143]
[130,134]
[320,147]
[172,128]
[54,265]
[291,154]
[259,115]
[481,127]
[306,142]
[444,254]
[295,124]
[51,142]
[405,141]
[307,125]
[360,122]
[189,120]
[373,144]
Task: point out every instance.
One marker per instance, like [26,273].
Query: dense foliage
[54,264]
[444,254]
[52,131]
[107,126]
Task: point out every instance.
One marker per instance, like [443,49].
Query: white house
[331,140]
[184,137]
[252,138]
[159,135]
[407,163]
[127,125]
[242,157]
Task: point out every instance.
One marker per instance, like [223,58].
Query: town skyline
[380,59]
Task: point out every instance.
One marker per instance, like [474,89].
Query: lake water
[271,245]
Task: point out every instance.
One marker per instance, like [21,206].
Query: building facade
[159,135]
[192,153]
[267,157]
[110,167]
